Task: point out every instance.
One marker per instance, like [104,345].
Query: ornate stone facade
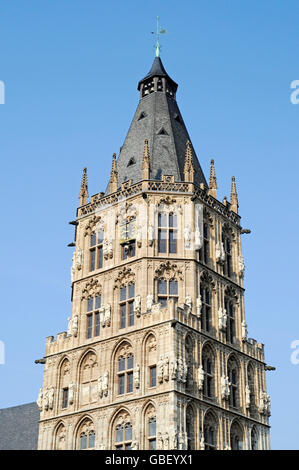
[156,354]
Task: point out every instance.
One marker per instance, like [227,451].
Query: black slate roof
[19,427]
[159,120]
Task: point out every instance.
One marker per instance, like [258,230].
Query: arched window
[151,428]
[125,367]
[227,245]
[167,232]
[96,250]
[210,431]
[150,354]
[126,303]
[233,375]
[64,383]
[230,311]
[167,289]
[236,436]
[93,304]
[254,439]
[60,438]
[86,435]
[204,252]
[88,379]
[122,432]
[190,425]
[208,362]
[206,309]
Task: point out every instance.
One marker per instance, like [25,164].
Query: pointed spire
[234,196]
[83,196]
[113,175]
[146,162]
[188,167]
[213,181]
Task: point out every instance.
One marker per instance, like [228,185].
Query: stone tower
[156,355]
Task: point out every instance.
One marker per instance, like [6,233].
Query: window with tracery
[93,305]
[233,375]
[204,252]
[208,362]
[60,438]
[88,379]
[167,289]
[126,303]
[210,431]
[229,306]
[125,368]
[123,432]
[236,436]
[86,435]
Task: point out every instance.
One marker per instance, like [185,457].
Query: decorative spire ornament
[83,195]
[234,197]
[146,162]
[188,167]
[113,175]
[213,181]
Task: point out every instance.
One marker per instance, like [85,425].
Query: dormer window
[177,118]
[162,132]
[132,161]
[142,116]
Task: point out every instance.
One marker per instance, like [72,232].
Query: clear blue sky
[71,70]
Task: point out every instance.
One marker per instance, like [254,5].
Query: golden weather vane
[158,33]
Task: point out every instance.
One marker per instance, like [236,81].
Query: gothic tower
[156,354]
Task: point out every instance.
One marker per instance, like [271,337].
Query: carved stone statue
[160,441]
[107,315]
[268,405]
[136,376]
[166,441]
[222,319]
[198,239]
[75,325]
[102,316]
[51,398]
[185,372]
[105,383]
[188,301]
[39,400]
[200,377]
[110,249]
[166,368]
[182,444]
[244,331]
[72,387]
[137,306]
[160,367]
[202,442]
[149,302]
[198,306]
[187,236]
[220,253]
[225,387]
[100,386]
[241,266]
[247,396]
[79,258]
[173,368]
[180,369]
[151,235]
[135,445]
[175,440]
[45,400]
[139,236]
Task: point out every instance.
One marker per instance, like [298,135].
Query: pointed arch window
[190,423]
[152,439]
[233,375]
[206,309]
[126,303]
[208,362]
[210,432]
[227,245]
[86,436]
[125,374]
[96,250]
[230,311]
[254,439]
[236,437]
[204,252]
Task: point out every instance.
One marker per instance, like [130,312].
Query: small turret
[146,162]
[83,196]
[234,197]
[213,181]
[188,167]
[113,175]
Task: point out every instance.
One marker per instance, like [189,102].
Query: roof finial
[234,196]
[213,181]
[113,175]
[83,195]
[188,167]
[159,31]
[146,161]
